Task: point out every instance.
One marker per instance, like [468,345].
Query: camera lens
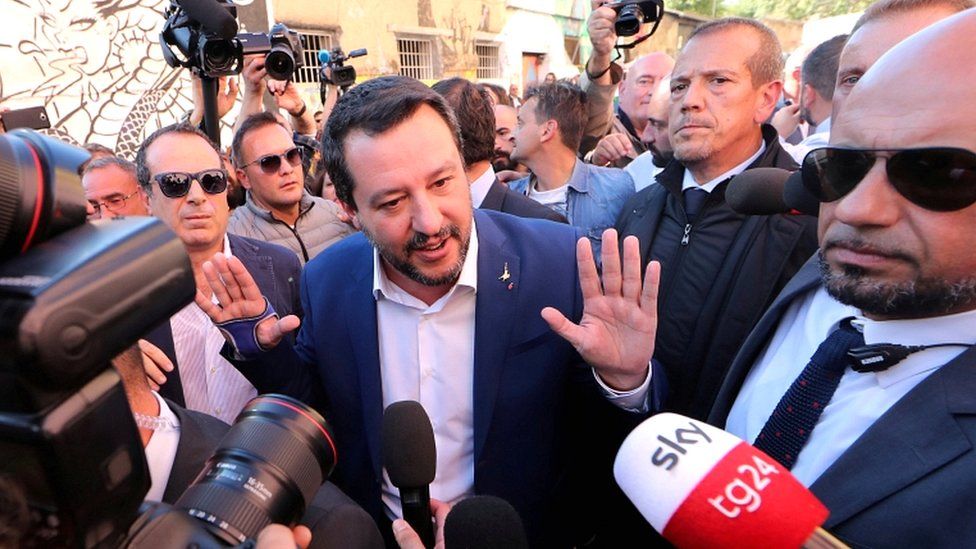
[40,189]
[629,20]
[266,469]
[280,63]
[220,57]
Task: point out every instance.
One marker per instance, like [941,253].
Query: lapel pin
[505,274]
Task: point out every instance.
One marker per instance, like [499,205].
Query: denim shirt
[594,198]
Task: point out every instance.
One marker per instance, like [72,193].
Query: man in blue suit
[890,449]
[440,305]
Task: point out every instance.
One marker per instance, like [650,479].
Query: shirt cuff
[634,400]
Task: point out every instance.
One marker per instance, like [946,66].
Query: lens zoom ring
[275,444]
[9,191]
[227,504]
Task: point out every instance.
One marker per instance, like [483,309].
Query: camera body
[281,47]
[631,14]
[343,75]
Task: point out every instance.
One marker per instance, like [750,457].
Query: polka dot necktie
[788,428]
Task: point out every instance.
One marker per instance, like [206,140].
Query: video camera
[204,32]
[342,75]
[74,295]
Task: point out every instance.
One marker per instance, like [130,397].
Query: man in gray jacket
[278,208]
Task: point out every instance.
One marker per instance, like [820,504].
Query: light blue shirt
[861,398]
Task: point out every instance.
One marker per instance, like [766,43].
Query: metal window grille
[488,60]
[416,58]
[312,42]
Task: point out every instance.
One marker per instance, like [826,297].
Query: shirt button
[216,410]
[213,369]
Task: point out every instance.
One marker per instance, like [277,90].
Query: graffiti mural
[96,65]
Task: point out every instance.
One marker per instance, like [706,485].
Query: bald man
[883,438]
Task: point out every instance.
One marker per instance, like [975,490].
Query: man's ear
[351,213]
[144,196]
[550,130]
[766,98]
[242,178]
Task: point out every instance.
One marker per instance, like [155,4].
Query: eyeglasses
[941,179]
[113,204]
[271,163]
[177,184]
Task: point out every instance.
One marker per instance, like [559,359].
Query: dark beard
[418,240]
[503,162]
[920,298]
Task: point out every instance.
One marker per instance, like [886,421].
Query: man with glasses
[860,378]
[112,189]
[180,172]
[278,208]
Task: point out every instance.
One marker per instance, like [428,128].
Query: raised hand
[616,334]
[238,297]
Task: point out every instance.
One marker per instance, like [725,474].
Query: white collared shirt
[427,355]
[861,398]
[481,186]
[161,451]
[689,180]
[210,384]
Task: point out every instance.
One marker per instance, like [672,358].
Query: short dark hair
[107,161]
[374,107]
[885,8]
[499,92]
[819,69]
[475,116]
[142,169]
[766,64]
[251,123]
[566,104]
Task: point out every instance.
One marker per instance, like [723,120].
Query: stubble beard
[401,262]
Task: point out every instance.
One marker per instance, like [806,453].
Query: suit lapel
[914,438]
[495,314]
[495,197]
[363,338]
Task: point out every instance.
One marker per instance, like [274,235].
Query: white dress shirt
[642,170]
[861,398]
[210,384]
[161,451]
[689,180]
[481,186]
[818,137]
[427,355]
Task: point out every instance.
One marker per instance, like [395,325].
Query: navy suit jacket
[910,479]
[537,411]
[275,269]
[502,199]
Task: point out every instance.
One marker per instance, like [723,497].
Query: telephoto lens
[265,470]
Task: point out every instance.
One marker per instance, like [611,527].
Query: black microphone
[213,18]
[410,458]
[484,522]
[770,191]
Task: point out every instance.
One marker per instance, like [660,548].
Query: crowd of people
[544,272]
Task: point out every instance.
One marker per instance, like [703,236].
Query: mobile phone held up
[34,118]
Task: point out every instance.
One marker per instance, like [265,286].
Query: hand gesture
[612,148]
[238,296]
[616,334]
[600,26]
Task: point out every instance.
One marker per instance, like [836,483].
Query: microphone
[410,458]
[484,522]
[324,57]
[770,191]
[700,486]
[213,18]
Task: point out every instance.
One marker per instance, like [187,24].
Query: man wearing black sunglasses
[278,208]
[180,171]
[861,377]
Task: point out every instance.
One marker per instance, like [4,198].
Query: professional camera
[208,42]
[342,75]
[631,14]
[73,295]
[282,46]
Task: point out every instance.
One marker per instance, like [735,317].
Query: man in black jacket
[476,118]
[720,269]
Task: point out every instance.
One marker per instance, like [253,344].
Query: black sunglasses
[177,184]
[271,163]
[941,179]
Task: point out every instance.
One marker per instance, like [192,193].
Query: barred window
[312,42]
[416,58]
[488,60]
